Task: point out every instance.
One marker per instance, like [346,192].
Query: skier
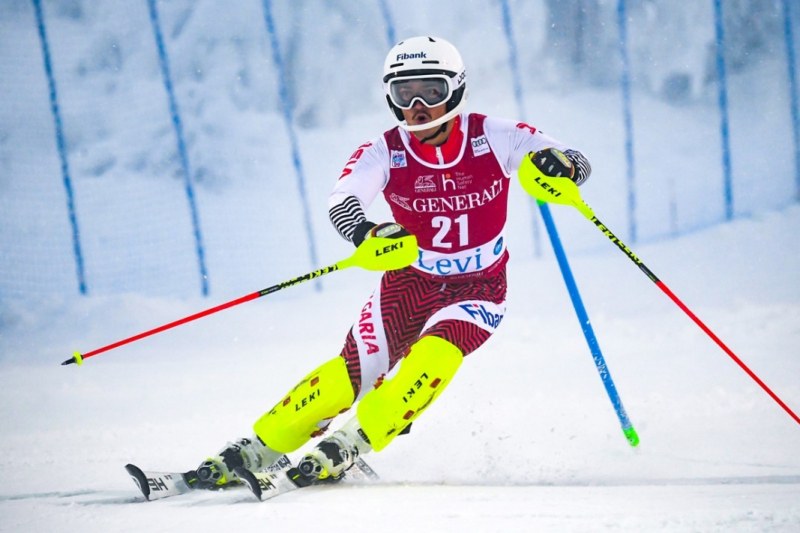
[445,175]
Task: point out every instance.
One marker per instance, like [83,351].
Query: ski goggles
[432,90]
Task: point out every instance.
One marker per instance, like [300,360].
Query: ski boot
[251,454]
[332,456]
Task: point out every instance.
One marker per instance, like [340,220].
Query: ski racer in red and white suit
[454,199]
[445,175]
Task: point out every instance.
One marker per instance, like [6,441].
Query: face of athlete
[420,113]
[422,92]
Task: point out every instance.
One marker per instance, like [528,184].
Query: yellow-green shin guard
[384,412]
[320,396]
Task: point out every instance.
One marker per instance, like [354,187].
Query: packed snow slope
[524,439]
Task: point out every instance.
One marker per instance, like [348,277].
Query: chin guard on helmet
[424,58]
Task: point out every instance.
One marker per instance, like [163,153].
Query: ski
[158,485]
[268,485]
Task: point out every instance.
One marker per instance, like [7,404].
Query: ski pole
[564,191]
[376,253]
[586,325]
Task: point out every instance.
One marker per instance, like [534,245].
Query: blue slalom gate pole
[512,59]
[561,256]
[183,154]
[387,18]
[722,99]
[288,117]
[61,144]
[627,115]
[788,34]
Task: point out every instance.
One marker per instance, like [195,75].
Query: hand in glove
[383,247]
[552,162]
[367,229]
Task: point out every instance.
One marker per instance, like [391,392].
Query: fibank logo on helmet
[479,312]
[415,55]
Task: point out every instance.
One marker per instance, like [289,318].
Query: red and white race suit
[454,199]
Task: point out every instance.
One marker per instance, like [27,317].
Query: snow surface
[525,438]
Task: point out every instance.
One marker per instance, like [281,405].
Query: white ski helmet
[433,60]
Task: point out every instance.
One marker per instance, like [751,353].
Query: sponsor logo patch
[498,246]
[456,202]
[425,184]
[413,55]
[348,168]
[448,182]
[480,145]
[366,329]
[398,159]
[402,201]
[479,313]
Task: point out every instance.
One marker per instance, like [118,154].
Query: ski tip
[140,479]
[248,479]
[632,436]
[76,358]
